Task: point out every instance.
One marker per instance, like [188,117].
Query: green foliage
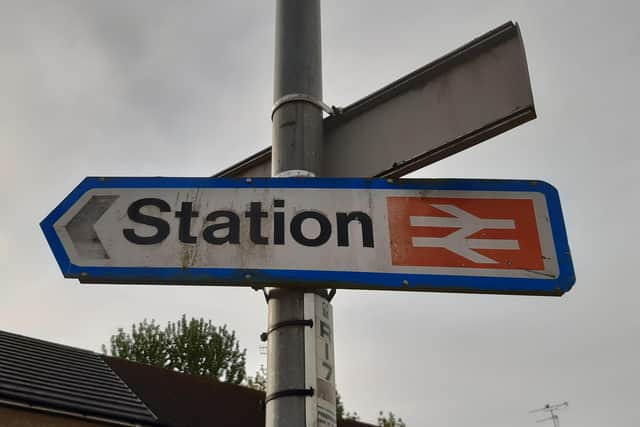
[390,420]
[339,406]
[259,380]
[147,344]
[341,413]
[193,347]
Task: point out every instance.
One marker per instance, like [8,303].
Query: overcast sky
[183,88]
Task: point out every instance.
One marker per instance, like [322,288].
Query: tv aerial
[551,409]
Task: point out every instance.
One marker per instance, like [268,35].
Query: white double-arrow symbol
[457,241]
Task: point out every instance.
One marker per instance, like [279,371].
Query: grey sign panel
[476,92]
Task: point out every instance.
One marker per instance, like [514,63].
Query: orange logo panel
[470,233]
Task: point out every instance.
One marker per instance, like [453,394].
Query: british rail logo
[476,233]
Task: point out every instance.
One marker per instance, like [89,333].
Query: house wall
[19,417]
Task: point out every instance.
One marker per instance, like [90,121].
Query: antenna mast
[551,409]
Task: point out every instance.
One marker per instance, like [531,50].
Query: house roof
[191,401]
[194,401]
[55,376]
[64,378]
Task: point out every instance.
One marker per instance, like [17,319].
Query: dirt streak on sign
[459,235]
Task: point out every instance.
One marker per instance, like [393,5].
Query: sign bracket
[293,97]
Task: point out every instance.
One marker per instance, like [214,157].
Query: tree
[147,344]
[390,420]
[259,381]
[339,406]
[193,347]
[341,413]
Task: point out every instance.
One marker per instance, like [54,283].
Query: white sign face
[373,234]
[319,363]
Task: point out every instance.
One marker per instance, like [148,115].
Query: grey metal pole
[297,125]
[297,151]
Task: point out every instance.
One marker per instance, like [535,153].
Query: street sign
[466,97]
[319,362]
[488,236]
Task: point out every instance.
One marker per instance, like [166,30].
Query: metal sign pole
[297,151]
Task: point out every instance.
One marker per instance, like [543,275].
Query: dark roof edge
[26,399]
[169,371]
[51,343]
[104,358]
[78,415]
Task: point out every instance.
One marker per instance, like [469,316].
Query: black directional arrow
[81,228]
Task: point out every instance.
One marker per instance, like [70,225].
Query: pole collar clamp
[284,323]
[301,97]
[290,392]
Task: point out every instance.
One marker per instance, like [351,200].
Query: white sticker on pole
[320,362]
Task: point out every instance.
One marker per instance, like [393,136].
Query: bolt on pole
[297,151]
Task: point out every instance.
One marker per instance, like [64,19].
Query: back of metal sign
[466,97]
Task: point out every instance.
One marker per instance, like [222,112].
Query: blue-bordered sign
[451,235]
